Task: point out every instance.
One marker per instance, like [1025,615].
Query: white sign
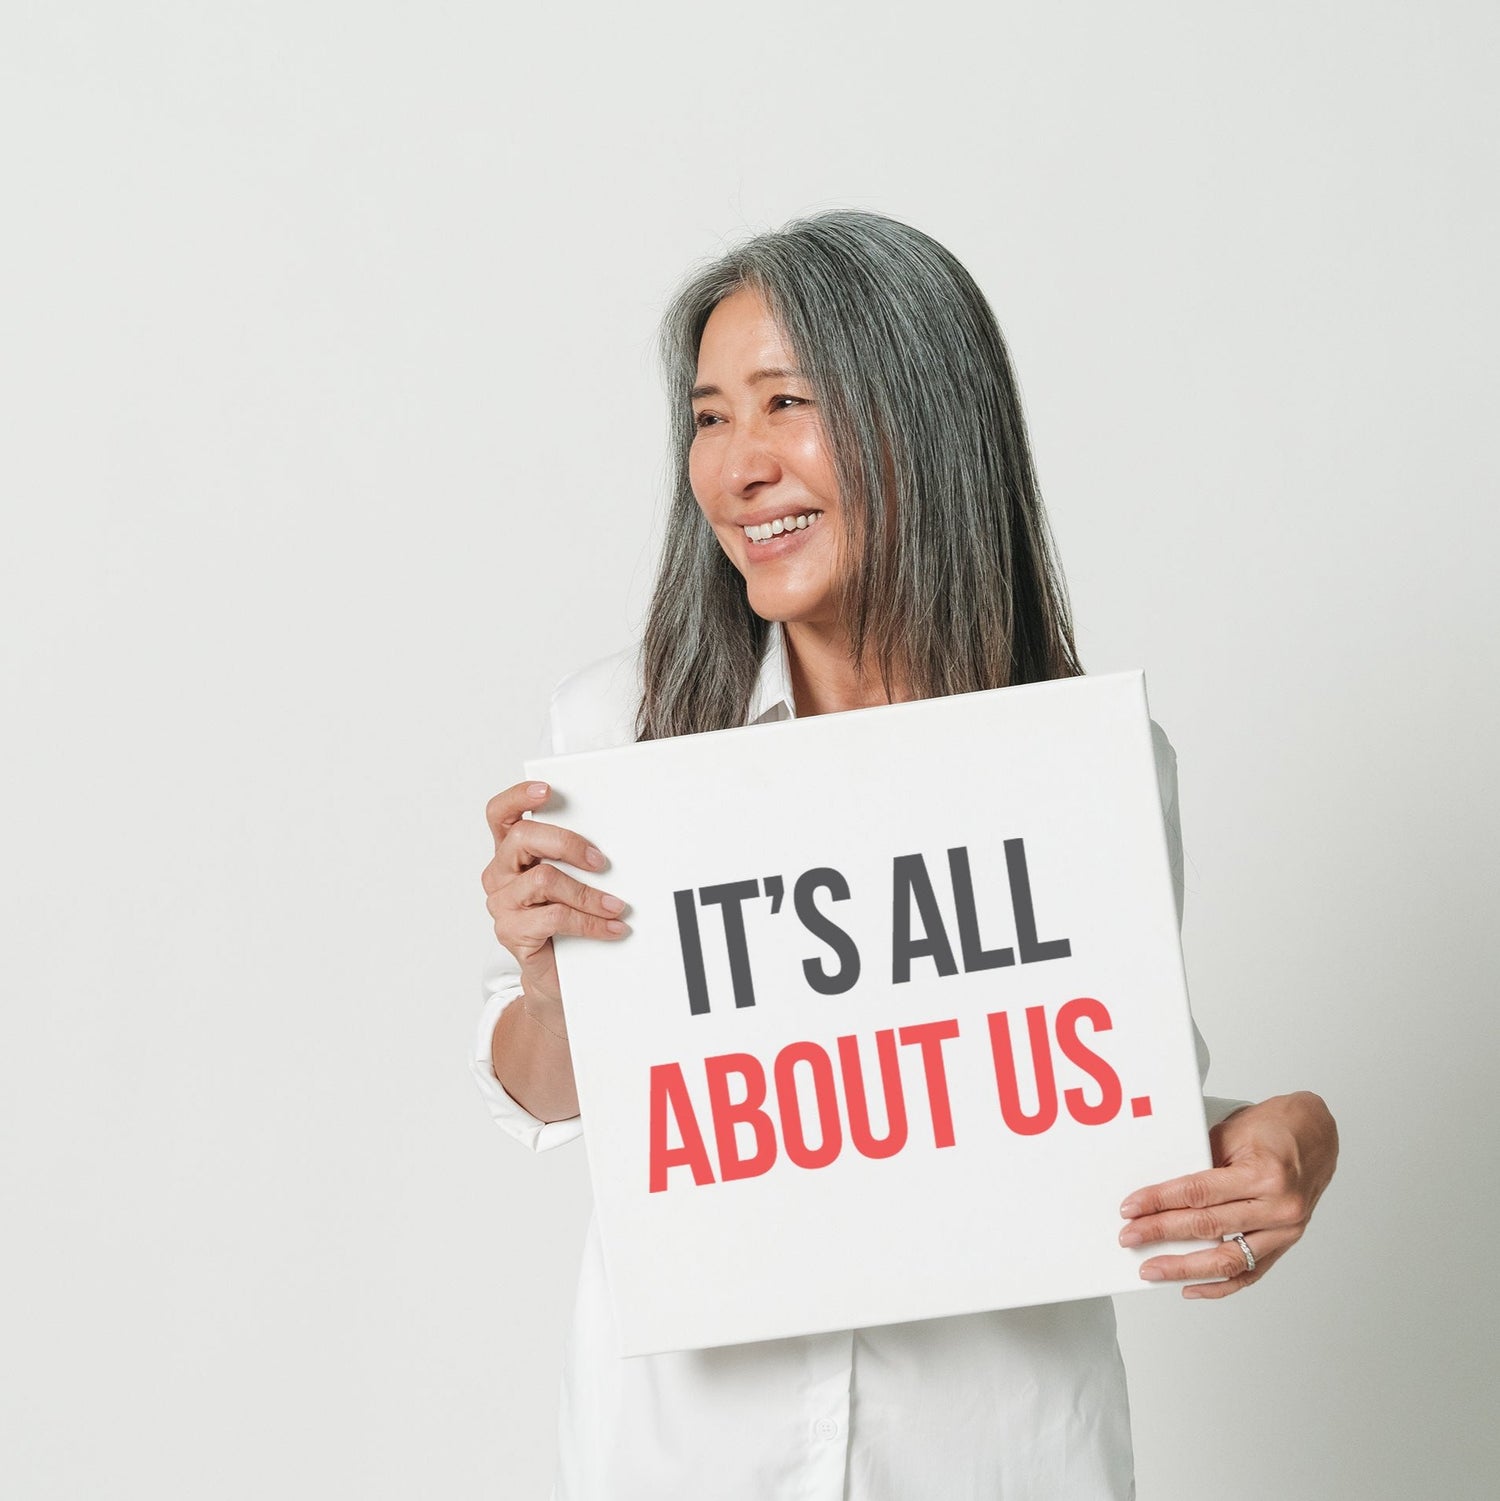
[901,1019]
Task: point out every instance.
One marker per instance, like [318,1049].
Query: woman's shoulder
[594,706]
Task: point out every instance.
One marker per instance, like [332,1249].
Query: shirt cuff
[1216,1110]
[512,1117]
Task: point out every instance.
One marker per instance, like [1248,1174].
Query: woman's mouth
[766,530]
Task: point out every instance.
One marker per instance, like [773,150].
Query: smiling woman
[854,520]
[847,364]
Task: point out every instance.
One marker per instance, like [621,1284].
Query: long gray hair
[951,580]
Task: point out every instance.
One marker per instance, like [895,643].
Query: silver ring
[1245,1247]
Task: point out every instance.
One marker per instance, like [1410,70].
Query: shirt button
[826,1428]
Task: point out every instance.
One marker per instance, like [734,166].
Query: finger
[1264,1261]
[524,930]
[545,884]
[1214,1185]
[1223,1261]
[1259,1212]
[542,923]
[507,808]
[1194,1224]
[528,841]
[1231,1285]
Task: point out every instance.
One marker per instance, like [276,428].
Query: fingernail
[611,903]
[594,857]
[1130,1236]
[1130,1207]
[616,926]
[1153,1274]
[537,789]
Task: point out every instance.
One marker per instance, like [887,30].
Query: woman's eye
[703,419]
[795,400]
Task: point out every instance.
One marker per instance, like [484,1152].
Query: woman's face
[760,465]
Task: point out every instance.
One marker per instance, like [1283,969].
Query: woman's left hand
[1272,1162]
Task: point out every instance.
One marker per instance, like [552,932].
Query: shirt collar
[771,698]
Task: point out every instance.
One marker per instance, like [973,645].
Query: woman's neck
[825,680]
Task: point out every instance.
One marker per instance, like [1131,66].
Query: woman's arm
[531,900]
[530,1056]
[1272,1161]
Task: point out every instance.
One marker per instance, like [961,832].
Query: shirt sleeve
[500,985]
[1215,1107]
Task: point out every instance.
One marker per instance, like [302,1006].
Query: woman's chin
[788,606]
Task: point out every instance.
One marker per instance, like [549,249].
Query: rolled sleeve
[502,984]
[1216,1110]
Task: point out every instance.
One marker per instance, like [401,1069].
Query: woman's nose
[749,460]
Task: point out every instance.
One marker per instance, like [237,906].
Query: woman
[855,521]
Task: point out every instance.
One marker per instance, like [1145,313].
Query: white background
[332,438]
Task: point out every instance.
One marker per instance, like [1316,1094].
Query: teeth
[768,529]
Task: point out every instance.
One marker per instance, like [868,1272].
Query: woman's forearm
[530,1056]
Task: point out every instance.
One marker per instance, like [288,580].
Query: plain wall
[332,437]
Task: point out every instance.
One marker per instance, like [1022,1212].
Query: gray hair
[950,578]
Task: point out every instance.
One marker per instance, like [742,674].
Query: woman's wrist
[548,1015]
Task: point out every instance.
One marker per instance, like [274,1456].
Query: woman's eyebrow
[772,372]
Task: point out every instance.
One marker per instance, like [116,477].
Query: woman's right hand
[531,900]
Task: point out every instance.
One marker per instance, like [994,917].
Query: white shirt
[1025,1403]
